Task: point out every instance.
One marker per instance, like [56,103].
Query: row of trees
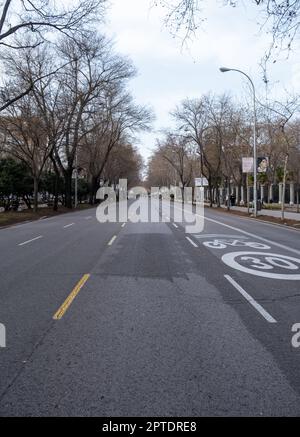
[214,133]
[65,105]
[16,182]
[218,132]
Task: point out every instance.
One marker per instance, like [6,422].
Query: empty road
[142,319]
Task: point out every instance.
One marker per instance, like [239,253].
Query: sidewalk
[268,212]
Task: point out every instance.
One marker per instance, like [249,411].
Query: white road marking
[68,226]
[250,299]
[191,241]
[123,225]
[89,217]
[112,241]
[175,226]
[261,267]
[30,241]
[220,236]
[264,222]
[249,234]
[222,243]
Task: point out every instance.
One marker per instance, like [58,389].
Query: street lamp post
[224,70]
[76,180]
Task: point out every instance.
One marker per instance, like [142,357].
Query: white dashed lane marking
[250,299]
[112,240]
[191,241]
[30,241]
[68,226]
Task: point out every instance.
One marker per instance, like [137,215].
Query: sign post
[248,167]
[247,164]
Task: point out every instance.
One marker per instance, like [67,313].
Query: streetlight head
[224,69]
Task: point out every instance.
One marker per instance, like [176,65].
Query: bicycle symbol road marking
[222,243]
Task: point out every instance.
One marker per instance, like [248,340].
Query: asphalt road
[143,319]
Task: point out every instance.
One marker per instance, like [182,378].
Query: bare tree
[28,24]
[177,151]
[38,17]
[160,173]
[26,139]
[124,162]
[281,17]
[193,122]
[283,112]
[92,69]
[35,66]
[205,122]
[118,119]
[82,105]
[294,162]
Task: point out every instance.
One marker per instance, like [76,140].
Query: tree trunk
[218,196]
[35,193]
[91,196]
[68,189]
[56,183]
[228,195]
[210,196]
[210,190]
[248,193]
[6,204]
[27,201]
[283,187]
[93,190]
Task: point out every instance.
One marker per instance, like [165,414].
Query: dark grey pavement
[158,329]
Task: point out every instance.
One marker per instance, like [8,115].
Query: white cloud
[167,74]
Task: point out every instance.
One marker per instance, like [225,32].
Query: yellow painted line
[61,311]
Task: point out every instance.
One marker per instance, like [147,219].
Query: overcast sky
[167,74]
